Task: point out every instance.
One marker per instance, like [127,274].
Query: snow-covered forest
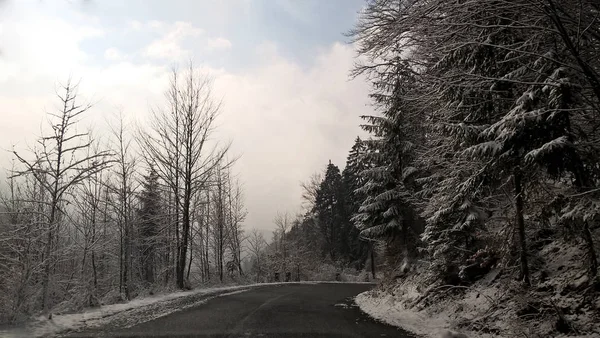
[474,200]
[87,220]
[483,167]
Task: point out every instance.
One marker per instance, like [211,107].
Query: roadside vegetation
[482,167]
[474,198]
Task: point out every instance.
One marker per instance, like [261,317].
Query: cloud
[168,46]
[35,45]
[218,44]
[135,25]
[112,54]
[287,122]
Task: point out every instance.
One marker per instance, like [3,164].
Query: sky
[280,67]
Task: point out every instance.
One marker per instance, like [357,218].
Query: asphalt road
[317,310]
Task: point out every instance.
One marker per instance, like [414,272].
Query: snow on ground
[42,326]
[384,307]
[130,313]
[496,305]
[395,308]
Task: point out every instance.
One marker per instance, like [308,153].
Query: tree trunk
[220,224]
[239,260]
[167,247]
[184,243]
[126,241]
[206,243]
[189,267]
[126,255]
[47,262]
[405,244]
[520,222]
[372,260]
[94,271]
[589,242]
[121,262]
[258,269]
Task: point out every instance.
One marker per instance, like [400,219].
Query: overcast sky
[280,66]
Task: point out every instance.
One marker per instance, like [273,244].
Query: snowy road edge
[104,315]
[383,307]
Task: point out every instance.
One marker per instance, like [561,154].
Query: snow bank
[395,308]
[384,307]
[496,305]
[42,326]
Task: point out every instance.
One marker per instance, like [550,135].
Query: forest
[482,170]
[88,220]
[480,175]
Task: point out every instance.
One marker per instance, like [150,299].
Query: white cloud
[287,122]
[169,45]
[135,25]
[34,44]
[112,54]
[160,25]
[218,44]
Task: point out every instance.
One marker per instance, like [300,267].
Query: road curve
[295,310]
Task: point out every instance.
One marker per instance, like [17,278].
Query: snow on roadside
[130,313]
[94,317]
[495,305]
[384,307]
[43,327]
[391,308]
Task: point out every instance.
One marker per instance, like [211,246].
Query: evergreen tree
[357,249]
[504,123]
[507,103]
[330,211]
[355,165]
[150,216]
[459,187]
[388,208]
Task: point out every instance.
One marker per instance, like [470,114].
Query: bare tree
[283,221]
[89,203]
[219,229]
[236,216]
[201,240]
[123,188]
[256,245]
[21,214]
[60,161]
[310,189]
[178,145]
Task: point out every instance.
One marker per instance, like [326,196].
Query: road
[295,310]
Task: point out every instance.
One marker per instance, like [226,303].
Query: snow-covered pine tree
[578,72]
[351,174]
[388,210]
[504,104]
[504,96]
[330,211]
[352,180]
[460,68]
